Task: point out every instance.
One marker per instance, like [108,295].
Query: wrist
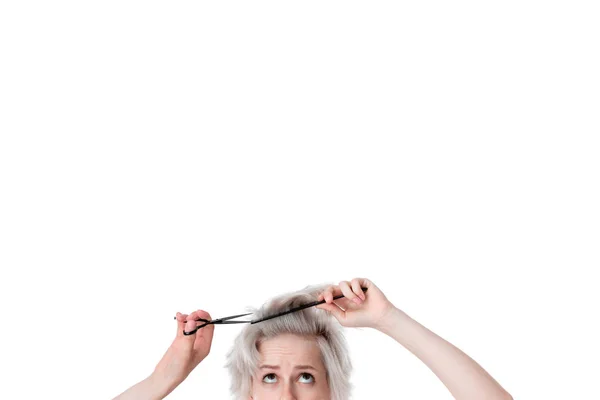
[391,321]
[162,384]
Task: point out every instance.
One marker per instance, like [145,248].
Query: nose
[288,392]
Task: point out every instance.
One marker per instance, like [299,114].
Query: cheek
[324,391]
[321,390]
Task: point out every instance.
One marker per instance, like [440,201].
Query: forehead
[288,347]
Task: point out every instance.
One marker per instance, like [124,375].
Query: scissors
[227,320]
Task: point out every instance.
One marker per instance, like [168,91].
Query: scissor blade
[235,322]
[225,320]
[234,316]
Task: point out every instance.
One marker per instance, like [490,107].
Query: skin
[290,368]
[464,378]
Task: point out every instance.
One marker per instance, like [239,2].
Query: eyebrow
[306,366]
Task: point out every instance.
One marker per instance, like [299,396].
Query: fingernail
[357,300]
[190,325]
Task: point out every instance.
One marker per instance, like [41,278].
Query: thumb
[180,323]
[186,323]
[333,309]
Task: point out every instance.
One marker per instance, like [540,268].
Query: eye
[308,376]
[269,378]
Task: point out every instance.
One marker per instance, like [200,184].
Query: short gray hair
[244,357]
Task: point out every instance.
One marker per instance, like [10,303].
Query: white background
[158,157]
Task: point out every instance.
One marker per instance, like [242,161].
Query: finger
[191,324]
[348,293]
[207,331]
[180,323]
[328,294]
[334,310]
[322,295]
[325,294]
[367,284]
[343,303]
[357,289]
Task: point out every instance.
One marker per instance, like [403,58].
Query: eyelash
[301,375]
[307,374]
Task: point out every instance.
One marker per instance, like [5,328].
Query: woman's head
[301,355]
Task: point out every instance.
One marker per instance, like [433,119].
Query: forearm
[155,387]
[464,378]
